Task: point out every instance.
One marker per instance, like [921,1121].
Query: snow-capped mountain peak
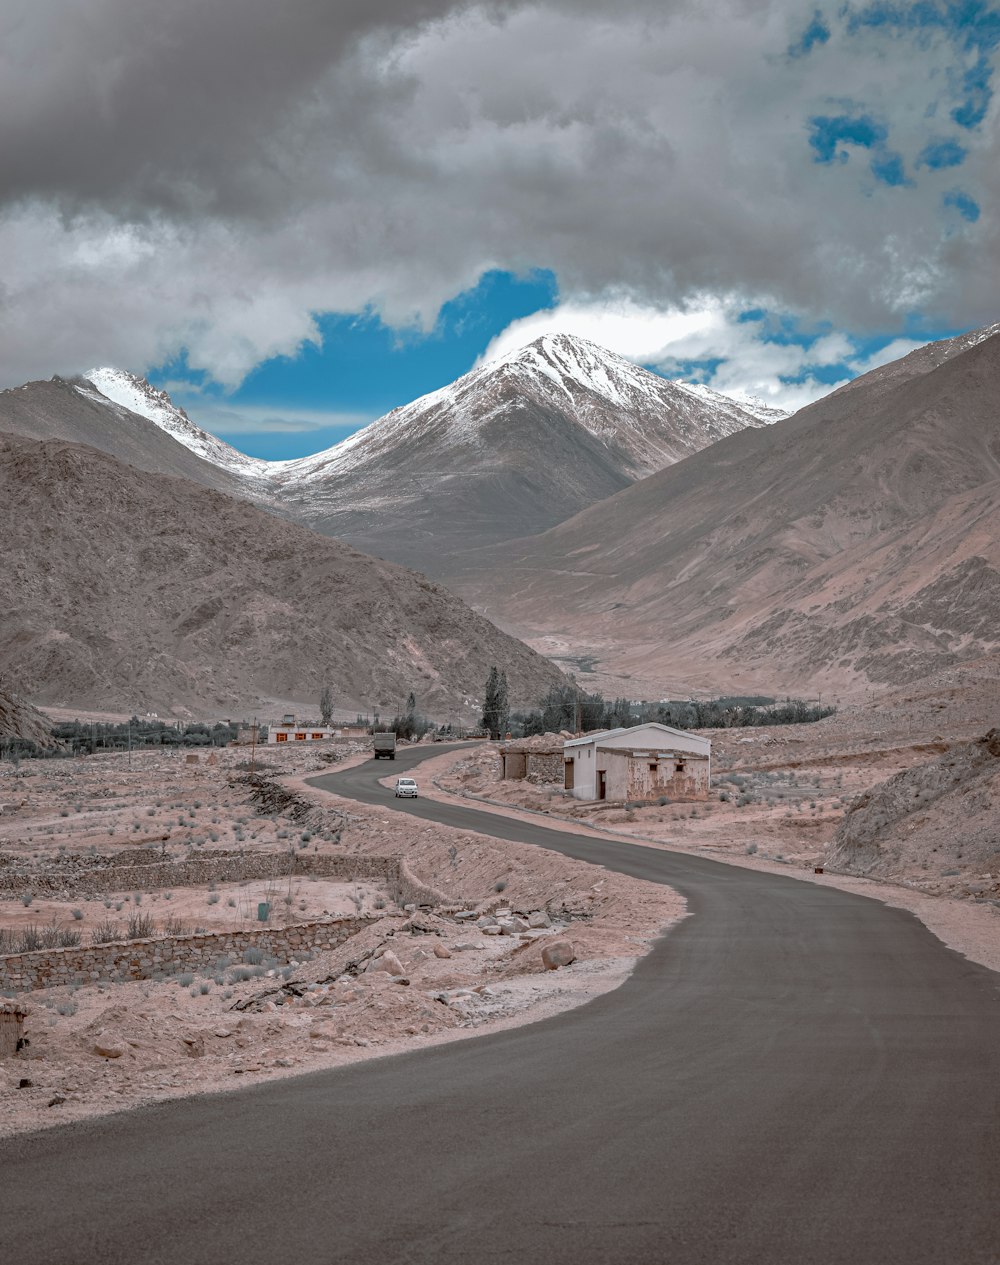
[650,419]
[132,392]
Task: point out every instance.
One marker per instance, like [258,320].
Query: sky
[297,216]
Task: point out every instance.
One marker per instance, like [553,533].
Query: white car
[406,788]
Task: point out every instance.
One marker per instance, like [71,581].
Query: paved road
[794,1076]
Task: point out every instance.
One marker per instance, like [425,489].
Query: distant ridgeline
[566,708]
[80,737]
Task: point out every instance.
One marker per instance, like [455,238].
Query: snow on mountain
[135,394]
[511,448]
[648,420]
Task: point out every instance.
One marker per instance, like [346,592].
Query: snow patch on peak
[132,392]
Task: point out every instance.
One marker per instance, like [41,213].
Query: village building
[539,758]
[640,764]
[289,731]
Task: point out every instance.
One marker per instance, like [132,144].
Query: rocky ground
[415,976]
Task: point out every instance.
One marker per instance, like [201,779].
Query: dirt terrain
[470,957]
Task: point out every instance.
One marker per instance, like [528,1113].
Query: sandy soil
[415,977]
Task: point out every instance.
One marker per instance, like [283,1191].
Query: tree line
[569,708]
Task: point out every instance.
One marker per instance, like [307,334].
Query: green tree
[492,704]
[326,706]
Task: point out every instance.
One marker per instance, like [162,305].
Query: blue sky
[360,368]
[347,206]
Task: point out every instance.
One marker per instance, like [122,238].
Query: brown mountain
[122,589]
[19,720]
[76,411]
[857,542]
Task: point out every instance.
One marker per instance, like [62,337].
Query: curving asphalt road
[794,1076]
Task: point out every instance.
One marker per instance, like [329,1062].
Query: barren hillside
[76,411]
[20,720]
[909,822]
[124,589]
[841,547]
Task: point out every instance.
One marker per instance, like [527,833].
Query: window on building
[281,737]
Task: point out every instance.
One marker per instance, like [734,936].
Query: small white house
[643,763]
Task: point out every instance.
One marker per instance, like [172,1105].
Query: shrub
[500,886]
[105,932]
[213,898]
[185,980]
[751,849]
[77,914]
[140,927]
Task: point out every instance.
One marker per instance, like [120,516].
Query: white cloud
[215,187]
[751,367]
[226,419]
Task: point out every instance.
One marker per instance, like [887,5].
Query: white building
[644,763]
[299,733]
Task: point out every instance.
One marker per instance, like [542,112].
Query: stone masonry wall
[196,871]
[142,959]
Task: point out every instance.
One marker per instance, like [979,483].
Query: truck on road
[385,746]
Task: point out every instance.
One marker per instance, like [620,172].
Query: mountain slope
[858,541]
[19,721]
[509,449]
[127,590]
[75,411]
[134,393]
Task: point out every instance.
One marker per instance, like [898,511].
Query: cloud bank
[212,177]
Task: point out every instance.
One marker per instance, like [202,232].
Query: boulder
[194,1045]
[558,953]
[442,951]
[539,919]
[109,1045]
[389,963]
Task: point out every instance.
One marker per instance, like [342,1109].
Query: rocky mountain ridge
[515,445]
[855,543]
[123,590]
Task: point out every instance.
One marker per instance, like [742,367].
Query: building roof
[668,731]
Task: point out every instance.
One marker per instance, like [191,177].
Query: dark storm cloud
[179,173]
[174,104]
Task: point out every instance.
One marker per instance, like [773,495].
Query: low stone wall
[142,959]
[206,868]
